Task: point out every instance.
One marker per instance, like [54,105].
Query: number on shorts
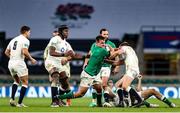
[15,45]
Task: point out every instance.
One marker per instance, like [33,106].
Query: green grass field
[80,105]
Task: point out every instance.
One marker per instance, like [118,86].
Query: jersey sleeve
[26,44]
[113,45]
[53,42]
[45,52]
[92,46]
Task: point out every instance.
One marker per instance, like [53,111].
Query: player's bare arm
[114,54]
[117,67]
[86,59]
[28,56]
[114,62]
[139,85]
[110,48]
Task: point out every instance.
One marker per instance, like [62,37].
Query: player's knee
[124,87]
[53,84]
[53,71]
[99,90]
[104,80]
[62,76]
[117,85]
[63,79]
[25,82]
[55,75]
[65,85]
[80,94]
[55,78]
[104,86]
[16,79]
[153,91]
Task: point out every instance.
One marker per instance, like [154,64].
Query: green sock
[99,102]
[66,96]
[165,100]
[147,104]
[94,95]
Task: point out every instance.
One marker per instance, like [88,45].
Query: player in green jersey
[105,71]
[90,75]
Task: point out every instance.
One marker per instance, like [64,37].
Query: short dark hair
[99,37]
[103,29]
[62,27]
[55,31]
[124,44]
[24,29]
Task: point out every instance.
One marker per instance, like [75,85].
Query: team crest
[75,15]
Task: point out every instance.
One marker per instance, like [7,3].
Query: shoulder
[55,39]
[67,43]
[111,43]
[93,44]
[22,39]
[126,48]
[26,40]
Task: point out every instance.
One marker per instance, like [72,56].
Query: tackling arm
[114,63]
[86,59]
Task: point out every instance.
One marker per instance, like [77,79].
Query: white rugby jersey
[16,45]
[61,46]
[131,59]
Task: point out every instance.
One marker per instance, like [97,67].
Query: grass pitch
[80,105]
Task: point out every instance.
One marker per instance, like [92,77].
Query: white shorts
[49,65]
[105,72]
[131,73]
[17,67]
[87,80]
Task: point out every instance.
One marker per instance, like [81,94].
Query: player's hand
[33,61]
[139,76]
[64,61]
[78,56]
[116,49]
[69,53]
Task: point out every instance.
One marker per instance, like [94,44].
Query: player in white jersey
[59,52]
[132,71]
[17,50]
[147,93]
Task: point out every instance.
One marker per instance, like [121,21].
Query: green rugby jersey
[96,60]
[107,42]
